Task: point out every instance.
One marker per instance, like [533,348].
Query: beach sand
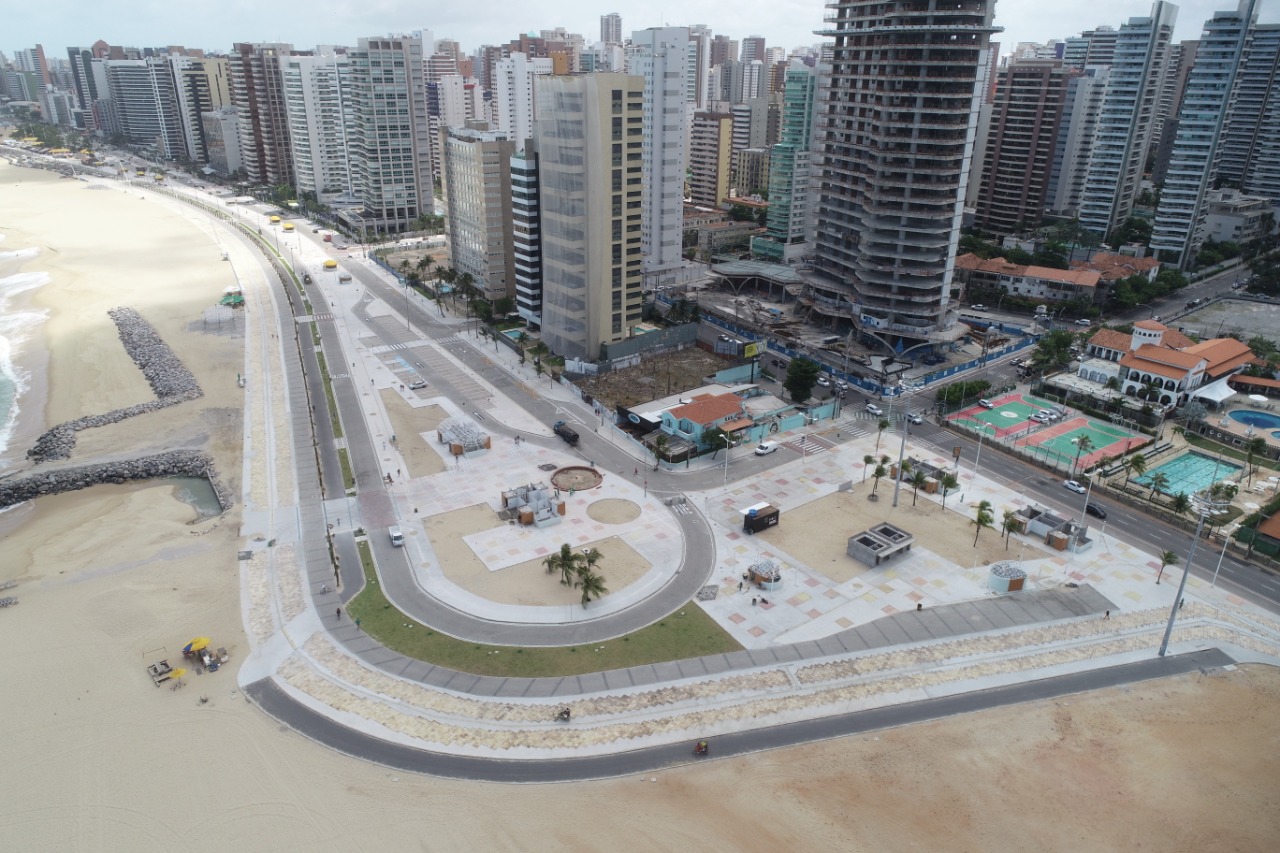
[96,757]
[527,582]
[410,423]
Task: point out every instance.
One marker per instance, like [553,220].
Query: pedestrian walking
[919,606]
[357,623]
[636,472]
[739,586]
[1106,615]
[339,612]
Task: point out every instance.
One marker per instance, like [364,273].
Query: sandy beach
[99,758]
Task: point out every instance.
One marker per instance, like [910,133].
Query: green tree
[802,374]
[591,584]
[1168,558]
[1159,482]
[1180,503]
[868,462]
[985,518]
[1083,445]
[1007,525]
[565,561]
[949,481]
[659,449]
[918,480]
[1135,465]
[1253,447]
[881,470]
[718,439]
[881,426]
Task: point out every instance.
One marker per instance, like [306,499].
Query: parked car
[1072,485]
[1038,418]
[1095,510]
[874,409]
[1084,322]
[986,404]
[824,382]
[766,447]
[978,307]
[417,384]
[914,418]
[933,358]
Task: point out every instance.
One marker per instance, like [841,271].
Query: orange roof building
[1031,282]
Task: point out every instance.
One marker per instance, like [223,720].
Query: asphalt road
[325,731]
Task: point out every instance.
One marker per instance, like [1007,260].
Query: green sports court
[1060,441]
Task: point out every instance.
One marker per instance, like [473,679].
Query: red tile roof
[1253,382]
[1223,354]
[706,408]
[1113,267]
[1000,266]
[1161,360]
[1111,339]
[1151,326]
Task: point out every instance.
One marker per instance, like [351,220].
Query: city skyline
[787,24]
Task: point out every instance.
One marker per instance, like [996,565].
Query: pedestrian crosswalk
[400,346]
[808,445]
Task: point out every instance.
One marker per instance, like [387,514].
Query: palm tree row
[578,571]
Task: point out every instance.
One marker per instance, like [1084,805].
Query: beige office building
[589,138]
[710,158]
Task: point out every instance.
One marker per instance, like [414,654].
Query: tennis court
[1061,441]
[1009,415]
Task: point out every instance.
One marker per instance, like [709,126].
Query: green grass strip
[686,633]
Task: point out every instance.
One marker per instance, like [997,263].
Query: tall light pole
[906,429]
[982,433]
[1204,506]
[1088,492]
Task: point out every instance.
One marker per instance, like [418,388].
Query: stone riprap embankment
[175,463]
[167,375]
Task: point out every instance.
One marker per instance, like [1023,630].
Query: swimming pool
[1190,473]
[1264,420]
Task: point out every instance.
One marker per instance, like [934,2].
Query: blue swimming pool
[1264,420]
[1190,473]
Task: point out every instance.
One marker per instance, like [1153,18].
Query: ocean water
[16,328]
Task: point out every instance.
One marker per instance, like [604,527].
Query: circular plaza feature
[613,511]
[576,477]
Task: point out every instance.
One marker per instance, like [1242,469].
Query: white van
[397,538]
[344,277]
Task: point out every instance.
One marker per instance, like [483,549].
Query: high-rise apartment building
[222,140]
[611,28]
[896,128]
[698,75]
[317,90]
[202,84]
[753,49]
[1250,148]
[257,92]
[144,105]
[710,158]
[788,218]
[1125,124]
[513,94]
[390,156]
[477,188]
[661,60]
[590,141]
[90,78]
[526,234]
[1081,108]
[750,173]
[1209,97]
[1019,154]
[1094,47]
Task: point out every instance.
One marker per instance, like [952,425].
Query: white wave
[19,254]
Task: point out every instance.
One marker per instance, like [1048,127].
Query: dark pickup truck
[565,431]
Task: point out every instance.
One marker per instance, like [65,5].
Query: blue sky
[787,23]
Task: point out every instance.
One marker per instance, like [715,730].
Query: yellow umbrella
[178,673]
[200,643]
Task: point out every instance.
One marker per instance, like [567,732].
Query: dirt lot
[654,377]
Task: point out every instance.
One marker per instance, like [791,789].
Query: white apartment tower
[526,235]
[589,138]
[1209,97]
[316,90]
[1080,111]
[145,105]
[611,28]
[661,59]
[1127,119]
[477,187]
[513,104]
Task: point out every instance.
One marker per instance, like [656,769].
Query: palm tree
[1168,558]
[880,428]
[590,557]
[867,462]
[564,561]
[918,479]
[1083,445]
[1159,482]
[659,449]
[1253,447]
[591,584]
[1181,503]
[876,475]
[1135,465]
[949,481]
[984,519]
[1007,525]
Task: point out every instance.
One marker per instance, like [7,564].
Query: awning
[1215,392]
[741,423]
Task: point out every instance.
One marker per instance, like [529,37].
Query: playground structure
[534,505]
[463,437]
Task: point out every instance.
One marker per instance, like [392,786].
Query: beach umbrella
[178,673]
[197,644]
[1258,398]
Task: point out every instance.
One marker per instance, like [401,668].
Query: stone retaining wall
[175,463]
[165,372]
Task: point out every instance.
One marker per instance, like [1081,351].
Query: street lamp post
[1087,494]
[1204,506]
[982,433]
[902,445]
